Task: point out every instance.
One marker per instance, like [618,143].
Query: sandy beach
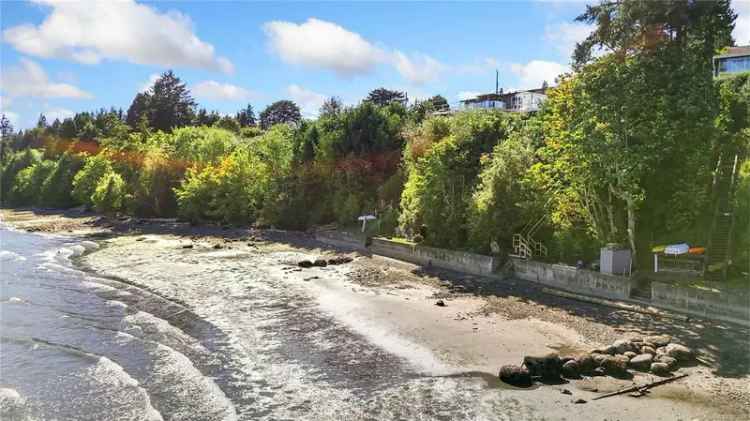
[374,322]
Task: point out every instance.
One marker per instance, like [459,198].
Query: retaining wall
[568,278]
[728,305]
[460,261]
[340,239]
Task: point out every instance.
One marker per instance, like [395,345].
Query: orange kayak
[696,250]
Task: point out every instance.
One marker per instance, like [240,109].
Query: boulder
[669,361]
[545,366]
[662,350]
[570,370]
[339,260]
[586,364]
[305,264]
[622,346]
[648,350]
[659,340]
[320,262]
[440,303]
[615,365]
[679,352]
[636,340]
[641,362]
[660,369]
[515,375]
[611,350]
[599,359]
[630,354]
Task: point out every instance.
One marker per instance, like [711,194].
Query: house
[516,101]
[733,60]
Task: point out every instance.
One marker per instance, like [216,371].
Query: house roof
[743,50]
[503,96]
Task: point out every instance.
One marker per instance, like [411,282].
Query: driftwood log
[641,388]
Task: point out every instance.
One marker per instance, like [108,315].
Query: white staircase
[524,244]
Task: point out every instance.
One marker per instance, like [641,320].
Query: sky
[58,58]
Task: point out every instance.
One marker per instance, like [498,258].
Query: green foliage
[228,123]
[280,112]
[247,184]
[86,180]
[56,190]
[12,164]
[110,193]
[153,190]
[383,97]
[504,199]
[442,179]
[28,182]
[199,145]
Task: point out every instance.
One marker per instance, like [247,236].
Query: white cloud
[482,67]
[564,36]
[28,79]
[536,72]
[91,31]
[419,68]
[317,43]
[741,33]
[14,118]
[211,89]
[464,95]
[309,101]
[57,113]
[326,45]
[145,86]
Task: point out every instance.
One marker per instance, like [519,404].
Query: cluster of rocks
[336,260]
[656,354]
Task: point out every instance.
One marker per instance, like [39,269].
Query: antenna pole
[497,81]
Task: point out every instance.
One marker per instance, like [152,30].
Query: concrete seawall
[727,305]
[460,261]
[568,278]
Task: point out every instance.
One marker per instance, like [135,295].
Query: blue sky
[59,58]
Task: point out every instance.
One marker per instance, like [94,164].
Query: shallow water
[230,342]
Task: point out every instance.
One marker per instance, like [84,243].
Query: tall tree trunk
[631,227]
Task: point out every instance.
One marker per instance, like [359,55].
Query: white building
[518,101]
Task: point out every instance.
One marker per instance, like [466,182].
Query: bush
[57,187]
[503,201]
[12,165]
[110,194]
[86,180]
[441,182]
[28,182]
[154,188]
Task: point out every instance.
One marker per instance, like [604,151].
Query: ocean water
[72,348]
[232,344]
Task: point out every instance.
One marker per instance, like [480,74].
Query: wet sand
[373,323]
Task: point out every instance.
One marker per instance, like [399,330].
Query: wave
[9,256]
[104,371]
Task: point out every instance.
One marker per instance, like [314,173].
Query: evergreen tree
[246,117]
[42,122]
[283,111]
[331,107]
[383,97]
[138,109]
[439,103]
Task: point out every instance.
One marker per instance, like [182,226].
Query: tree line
[623,151]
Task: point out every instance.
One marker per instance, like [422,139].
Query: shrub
[28,182]
[57,187]
[86,180]
[109,195]
[12,165]
[154,188]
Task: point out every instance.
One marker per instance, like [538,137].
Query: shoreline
[393,307]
